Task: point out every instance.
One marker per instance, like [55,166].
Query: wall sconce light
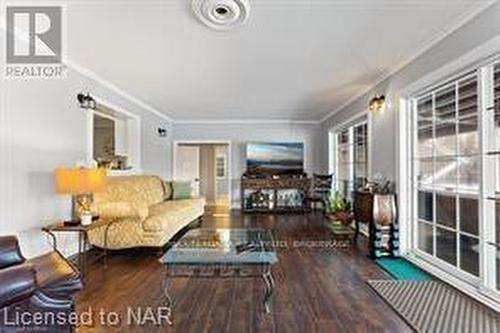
[162,132]
[377,103]
[86,101]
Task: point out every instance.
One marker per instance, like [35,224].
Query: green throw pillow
[167,190]
[182,190]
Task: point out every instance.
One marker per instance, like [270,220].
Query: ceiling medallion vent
[221,14]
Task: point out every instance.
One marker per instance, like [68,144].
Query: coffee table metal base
[218,271]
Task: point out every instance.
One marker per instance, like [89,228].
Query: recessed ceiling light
[221,10]
[221,14]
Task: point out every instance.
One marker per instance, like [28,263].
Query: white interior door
[187,166]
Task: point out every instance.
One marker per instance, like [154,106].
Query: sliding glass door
[456,158]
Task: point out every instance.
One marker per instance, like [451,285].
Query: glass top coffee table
[222,253]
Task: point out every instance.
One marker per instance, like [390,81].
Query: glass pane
[445,173]
[446,210]
[446,138]
[425,125]
[445,124]
[359,182]
[344,154]
[469,220]
[360,133]
[360,170]
[425,142]
[344,187]
[468,137]
[343,171]
[343,137]
[467,97]
[468,173]
[497,223]
[498,267]
[496,161]
[446,104]
[425,206]
[424,110]
[360,152]
[496,250]
[497,105]
[446,245]
[425,237]
[424,172]
[469,254]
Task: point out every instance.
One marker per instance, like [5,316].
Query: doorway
[207,166]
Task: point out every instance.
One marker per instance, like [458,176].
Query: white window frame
[360,118]
[482,291]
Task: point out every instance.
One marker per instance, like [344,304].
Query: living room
[352,165]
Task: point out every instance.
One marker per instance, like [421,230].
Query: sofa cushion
[120,209]
[147,190]
[124,233]
[168,214]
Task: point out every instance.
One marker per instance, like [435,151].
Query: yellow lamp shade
[77,181]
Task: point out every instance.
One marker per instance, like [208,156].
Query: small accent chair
[320,189]
[41,285]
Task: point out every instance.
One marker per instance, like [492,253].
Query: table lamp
[81,183]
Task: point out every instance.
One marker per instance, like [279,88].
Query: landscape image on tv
[275,158]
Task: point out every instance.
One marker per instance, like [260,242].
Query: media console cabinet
[274,195]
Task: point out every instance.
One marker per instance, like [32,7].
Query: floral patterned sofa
[141,213]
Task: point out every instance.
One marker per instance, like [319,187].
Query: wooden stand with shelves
[273,186]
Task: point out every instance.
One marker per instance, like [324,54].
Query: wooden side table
[83,241]
[363,210]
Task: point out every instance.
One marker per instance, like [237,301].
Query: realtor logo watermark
[34,42]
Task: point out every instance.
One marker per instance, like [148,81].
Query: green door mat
[402,269]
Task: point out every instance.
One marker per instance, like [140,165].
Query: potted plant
[339,208]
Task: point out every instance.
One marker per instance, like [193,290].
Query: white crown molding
[111,86]
[245,122]
[456,24]
[107,84]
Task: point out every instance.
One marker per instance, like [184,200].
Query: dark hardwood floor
[318,289]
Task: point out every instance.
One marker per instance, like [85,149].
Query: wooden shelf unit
[275,185]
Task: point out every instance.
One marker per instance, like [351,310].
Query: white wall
[481,29]
[240,134]
[43,128]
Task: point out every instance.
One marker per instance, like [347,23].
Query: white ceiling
[294,59]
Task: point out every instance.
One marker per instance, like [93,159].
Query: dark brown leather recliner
[41,287]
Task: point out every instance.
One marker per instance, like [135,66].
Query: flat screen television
[275,158]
